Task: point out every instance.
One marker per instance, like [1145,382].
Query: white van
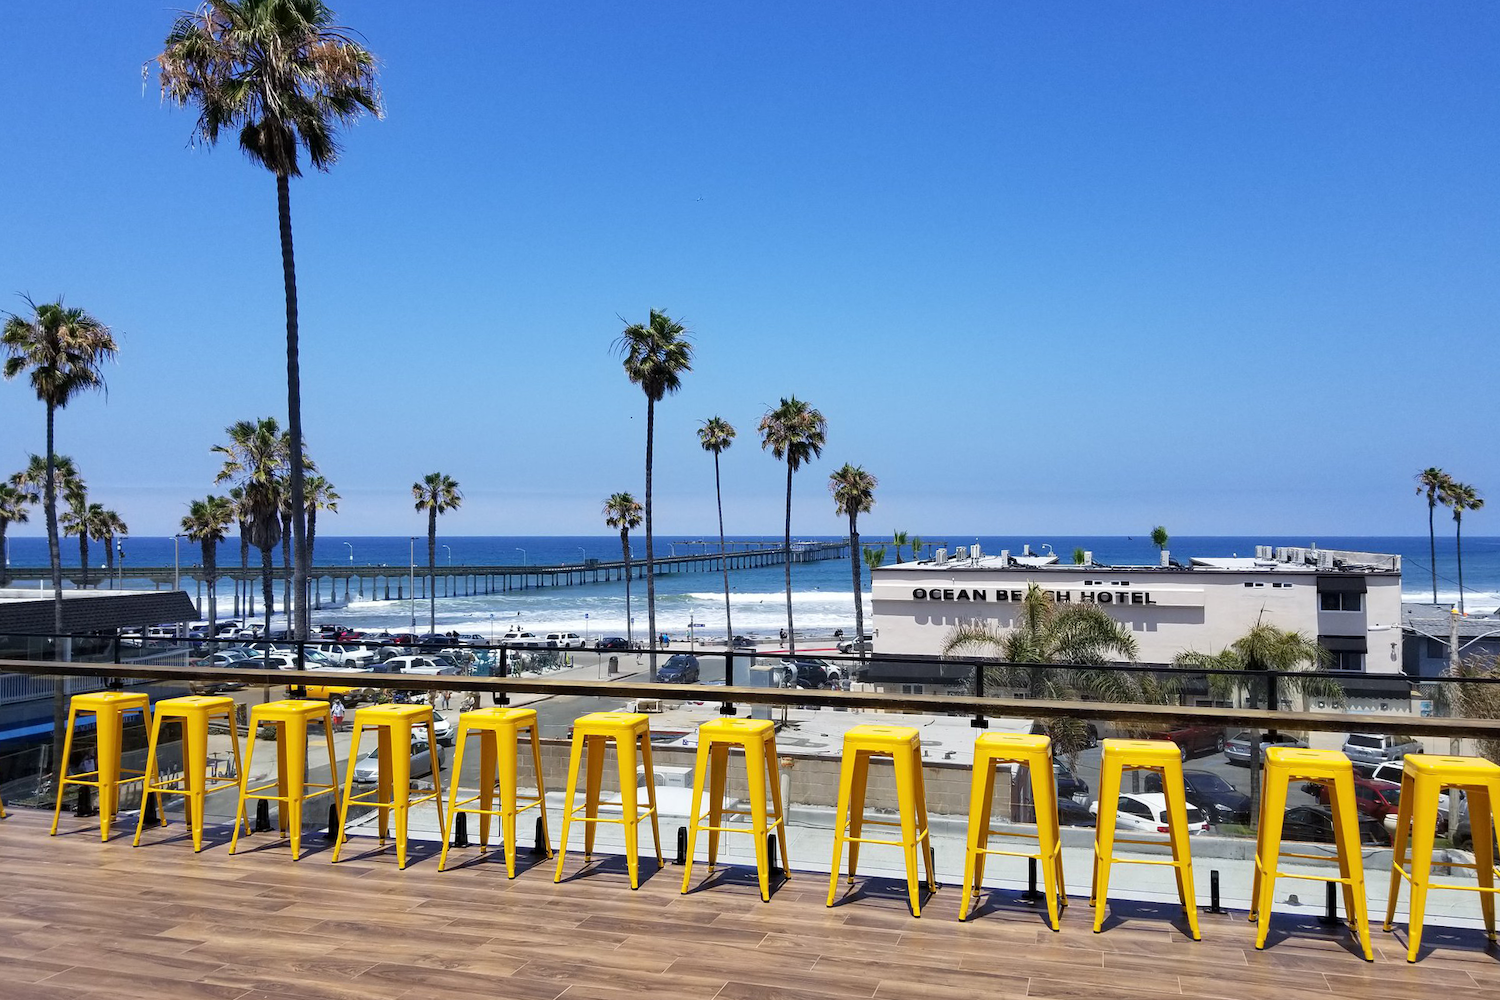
[564,640]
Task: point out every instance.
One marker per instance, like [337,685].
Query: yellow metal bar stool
[499,731]
[757,738]
[904,747]
[1423,778]
[631,733]
[1165,758]
[1330,768]
[393,726]
[1035,754]
[194,712]
[290,719]
[109,709]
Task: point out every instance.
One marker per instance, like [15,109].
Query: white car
[564,640]
[1146,812]
[418,665]
[348,655]
[367,767]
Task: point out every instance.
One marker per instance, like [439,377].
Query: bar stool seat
[290,719]
[757,738]
[109,709]
[631,733]
[194,712]
[903,745]
[393,726]
[1333,770]
[1423,778]
[1035,754]
[1165,758]
[499,731]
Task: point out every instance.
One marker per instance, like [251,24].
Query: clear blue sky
[1077,268]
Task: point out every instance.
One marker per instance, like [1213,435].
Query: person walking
[337,710]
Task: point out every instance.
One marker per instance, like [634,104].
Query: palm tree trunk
[244,581]
[1432,546]
[83,557]
[312,535]
[723,563]
[859,599]
[1458,540]
[791,632]
[4,555]
[211,570]
[65,648]
[432,567]
[650,543]
[625,551]
[109,557]
[293,407]
[267,571]
[286,572]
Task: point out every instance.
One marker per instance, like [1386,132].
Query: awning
[1344,583]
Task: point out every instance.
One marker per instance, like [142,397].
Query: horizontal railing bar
[1138,716]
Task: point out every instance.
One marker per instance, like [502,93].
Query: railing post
[299,690]
[501,697]
[727,707]
[979,721]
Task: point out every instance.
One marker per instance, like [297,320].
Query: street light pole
[450,555]
[175,561]
[351,552]
[585,553]
[411,584]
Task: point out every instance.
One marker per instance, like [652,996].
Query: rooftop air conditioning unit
[940,557]
[960,552]
[974,550]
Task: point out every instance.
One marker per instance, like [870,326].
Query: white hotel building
[1349,601]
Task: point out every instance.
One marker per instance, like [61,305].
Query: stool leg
[460,742]
[596,745]
[651,796]
[507,771]
[625,753]
[1268,853]
[333,763]
[981,777]
[150,776]
[575,758]
[718,777]
[774,776]
[1182,854]
[283,782]
[700,770]
[923,830]
[195,771]
[62,773]
[1104,838]
[1044,794]
[489,762]
[1260,841]
[841,820]
[986,816]
[239,812]
[857,809]
[383,743]
[906,801]
[1398,850]
[541,785]
[1481,802]
[755,771]
[1423,826]
[338,843]
[436,760]
[295,752]
[107,745]
[398,782]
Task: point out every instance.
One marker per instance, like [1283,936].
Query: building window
[1345,660]
[911,689]
[1119,583]
[1278,583]
[1253,583]
[1341,602]
[1437,649]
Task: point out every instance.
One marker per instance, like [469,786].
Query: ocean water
[823,595]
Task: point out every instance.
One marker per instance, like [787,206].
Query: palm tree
[242,517]
[320,496]
[80,519]
[715,435]
[657,354]
[14,499]
[436,494]
[207,523]
[794,432]
[111,526]
[1079,640]
[898,539]
[916,548]
[1460,497]
[622,511]
[874,556]
[1160,538]
[1432,481]
[256,461]
[281,74]
[63,348]
[853,492]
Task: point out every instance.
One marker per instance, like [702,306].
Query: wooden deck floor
[81,919]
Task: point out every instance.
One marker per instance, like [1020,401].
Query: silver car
[367,768]
[1237,749]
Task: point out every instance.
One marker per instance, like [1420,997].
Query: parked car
[814,675]
[742,642]
[1237,747]
[1463,837]
[1070,787]
[227,658]
[1370,749]
[864,644]
[1315,824]
[1195,741]
[1220,801]
[680,668]
[348,654]
[612,642]
[1074,813]
[1373,798]
[564,640]
[367,768]
[1145,812]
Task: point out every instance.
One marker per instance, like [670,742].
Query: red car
[1374,798]
[1195,741]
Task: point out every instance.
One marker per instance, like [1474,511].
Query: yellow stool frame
[757,737]
[1423,778]
[194,711]
[903,745]
[1035,753]
[1165,758]
[393,789]
[632,733]
[291,718]
[109,709]
[1331,769]
[499,731]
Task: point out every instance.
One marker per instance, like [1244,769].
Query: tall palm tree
[853,492]
[657,354]
[1432,481]
[320,496]
[436,494]
[716,435]
[623,511]
[916,547]
[256,461]
[112,526]
[874,556]
[63,349]
[280,73]
[1460,497]
[14,499]
[207,523]
[795,433]
[242,517]
[898,539]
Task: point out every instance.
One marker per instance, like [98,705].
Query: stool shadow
[1468,940]
[179,833]
[312,844]
[525,860]
[1013,902]
[885,890]
[1123,911]
[417,851]
[614,864]
[733,876]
